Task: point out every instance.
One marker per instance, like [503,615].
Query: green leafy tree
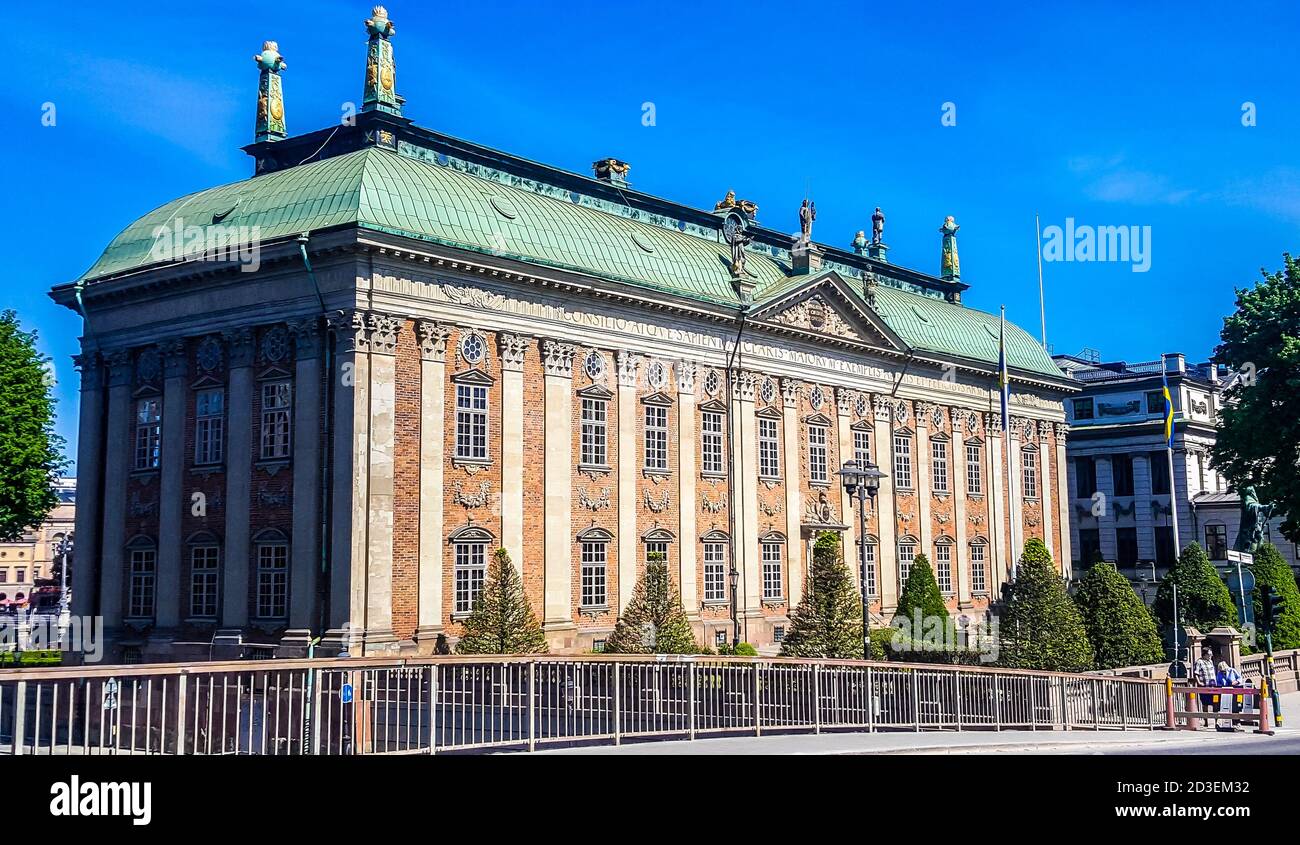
[921,593]
[654,621]
[828,621]
[1260,421]
[1271,570]
[1204,602]
[31,454]
[502,621]
[1041,627]
[1118,623]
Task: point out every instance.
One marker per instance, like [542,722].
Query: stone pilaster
[117,469]
[1044,482]
[383,334]
[1016,486]
[960,490]
[513,349]
[628,365]
[999,538]
[887,502]
[687,447]
[90,469]
[844,435]
[924,482]
[744,498]
[306,539]
[1063,499]
[171,497]
[239,476]
[794,557]
[557,360]
[433,374]
[1106,519]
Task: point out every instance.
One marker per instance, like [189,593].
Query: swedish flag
[1169,411]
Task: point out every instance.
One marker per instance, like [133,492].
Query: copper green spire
[270,99]
[380,95]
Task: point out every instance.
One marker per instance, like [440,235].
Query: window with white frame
[862,447]
[209,425]
[939,465]
[715,572]
[1029,472]
[144,566]
[773,588]
[594,593]
[470,570]
[148,433]
[769,464]
[817,454]
[711,442]
[978,568]
[656,437]
[204,579]
[594,432]
[974,470]
[943,567]
[870,576]
[906,554]
[272,580]
[656,547]
[472,422]
[902,462]
[277,396]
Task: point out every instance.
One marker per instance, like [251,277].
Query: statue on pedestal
[877,226]
[807,214]
[1254,519]
[950,267]
[270,98]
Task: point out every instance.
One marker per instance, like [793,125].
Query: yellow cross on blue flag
[1169,411]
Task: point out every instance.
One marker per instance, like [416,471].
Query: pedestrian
[1229,676]
[1204,675]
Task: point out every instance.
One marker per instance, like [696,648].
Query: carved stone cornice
[1062,431]
[790,392]
[685,373]
[383,330]
[744,387]
[433,340]
[557,358]
[91,366]
[120,367]
[629,366]
[306,337]
[844,399]
[350,331]
[512,348]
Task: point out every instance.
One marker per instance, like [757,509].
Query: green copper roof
[380,190]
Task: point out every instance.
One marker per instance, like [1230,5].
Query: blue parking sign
[346,693]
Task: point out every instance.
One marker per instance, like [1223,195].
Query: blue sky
[1102,112]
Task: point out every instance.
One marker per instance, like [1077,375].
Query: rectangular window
[471,565]
[472,422]
[594,431]
[658,547]
[943,567]
[1121,467]
[769,464]
[143,569]
[773,588]
[939,465]
[978,573]
[778,633]
[1085,477]
[1083,409]
[1156,402]
[4,575]
[1126,546]
[272,581]
[862,447]
[148,433]
[974,470]
[204,575]
[902,462]
[720,637]
[711,442]
[1029,471]
[593,574]
[22,574]
[870,575]
[1159,472]
[277,396]
[1164,535]
[817,454]
[209,426]
[1216,541]
[715,572]
[1089,546]
[906,554]
[656,437]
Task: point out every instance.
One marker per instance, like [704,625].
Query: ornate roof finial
[950,268]
[270,98]
[380,93]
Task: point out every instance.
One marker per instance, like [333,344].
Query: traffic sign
[1240,557]
[346,693]
[110,694]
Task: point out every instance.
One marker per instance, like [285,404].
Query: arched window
[469,571]
[272,596]
[594,544]
[906,554]
[772,548]
[943,564]
[143,557]
[869,551]
[979,583]
[1029,471]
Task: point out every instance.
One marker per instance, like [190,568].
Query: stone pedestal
[1226,642]
[228,644]
[878,250]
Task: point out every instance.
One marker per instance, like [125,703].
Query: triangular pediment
[827,305]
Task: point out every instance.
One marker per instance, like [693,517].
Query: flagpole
[1042,307]
[1005,384]
[1169,455]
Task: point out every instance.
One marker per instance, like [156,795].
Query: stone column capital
[175,361]
[844,399]
[120,367]
[993,424]
[239,346]
[790,392]
[1062,432]
[924,411]
[557,358]
[882,409]
[383,332]
[90,364]
[350,331]
[306,337]
[433,340]
[744,388]
[685,372]
[513,348]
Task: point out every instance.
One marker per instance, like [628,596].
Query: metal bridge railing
[425,705]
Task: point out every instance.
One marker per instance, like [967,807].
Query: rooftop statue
[951,267]
[730,202]
[860,243]
[877,226]
[807,214]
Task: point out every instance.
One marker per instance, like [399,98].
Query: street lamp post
[64,551]
[862,482]
[734,576]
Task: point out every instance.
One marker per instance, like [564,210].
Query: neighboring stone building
[1119,477]
[467,350]
[32,558]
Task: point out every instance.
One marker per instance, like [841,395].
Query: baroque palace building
[316,401]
